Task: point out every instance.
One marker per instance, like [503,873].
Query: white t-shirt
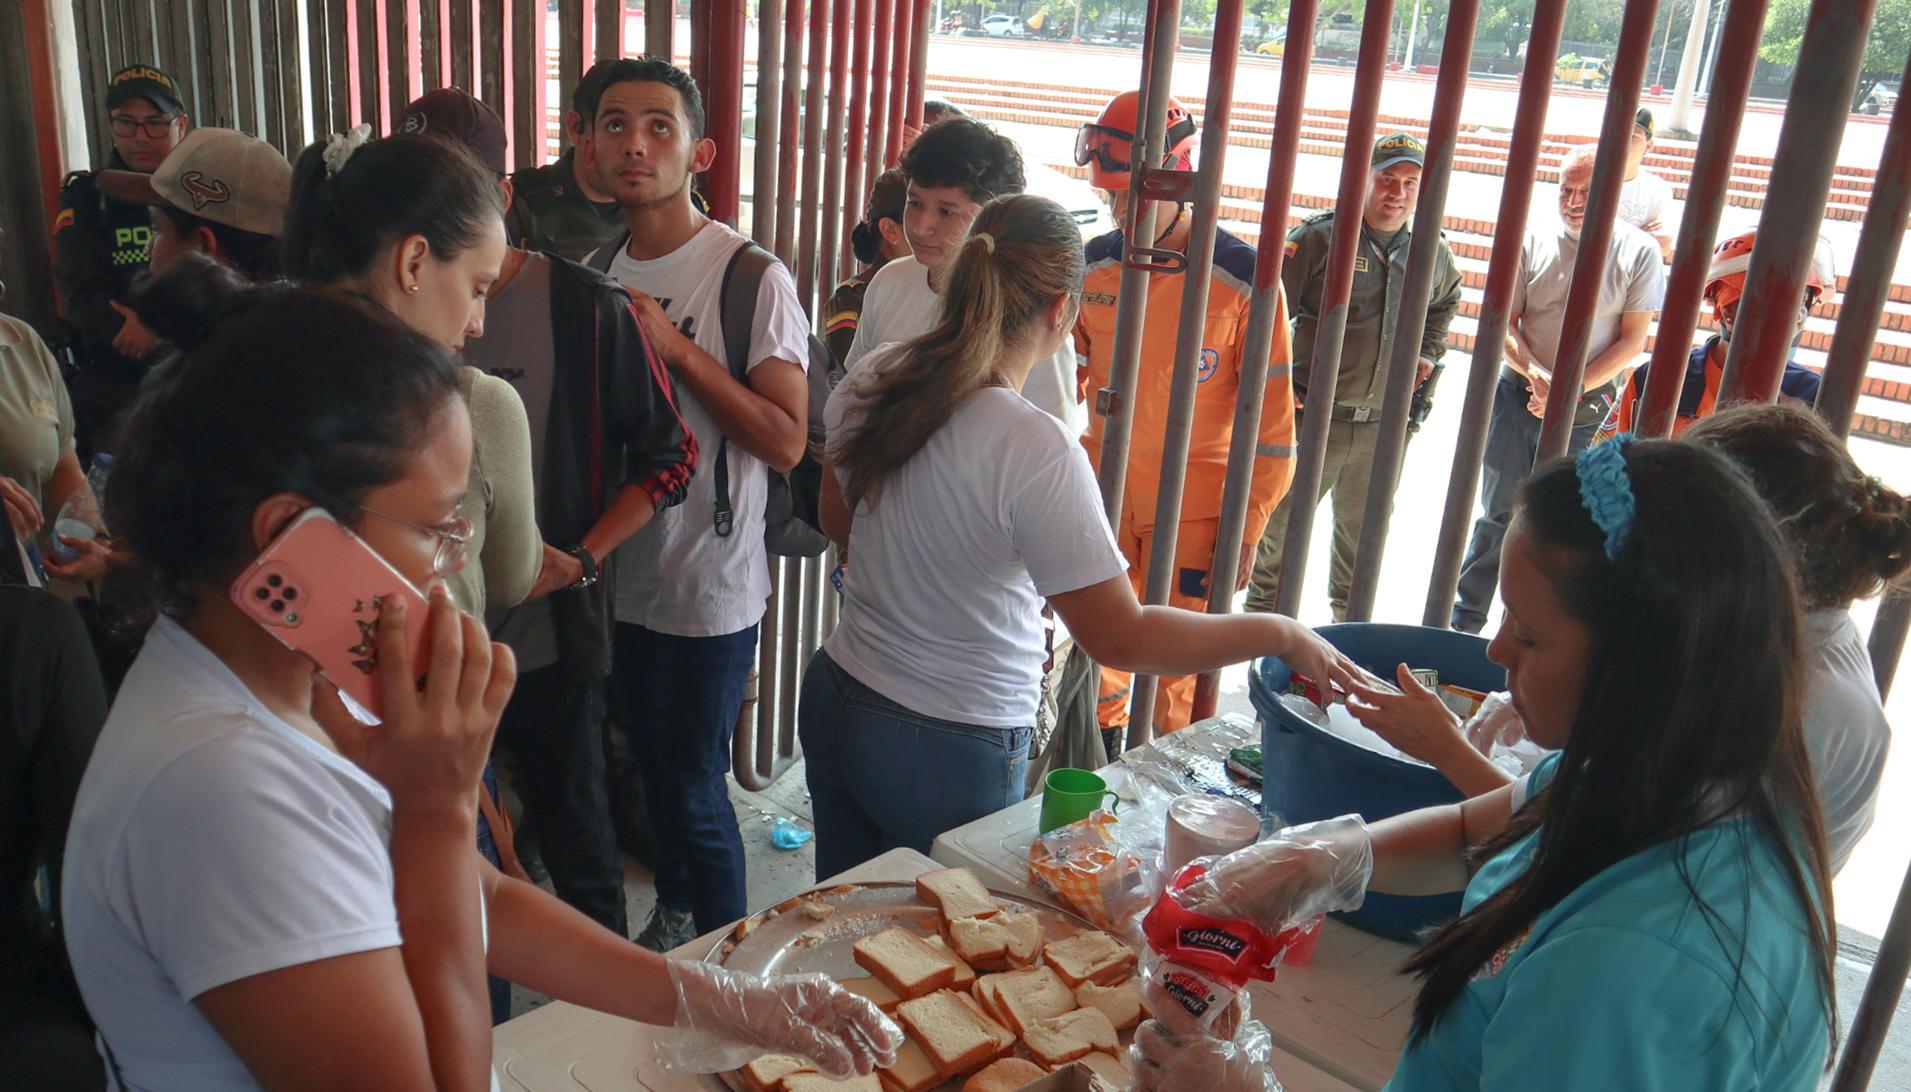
[1647,199]
[210,842]
[1845,728]
[677,575]
[942,600]
[899,305]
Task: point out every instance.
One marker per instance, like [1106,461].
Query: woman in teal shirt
[1656,915]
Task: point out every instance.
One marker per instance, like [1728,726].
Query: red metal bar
[821,15]
[1423,253]
[540,86]
[879,87]
[1829,60]
[856,180]
[1278,194]
[724,108]
[1522,164]
[1871,269]
[840,31]
[1189,337]
[919,63]
[1704,205]
[764,209]
[660,27]
[786,148]
[899,82]
[1356,163]
[46,96]
[1595,238]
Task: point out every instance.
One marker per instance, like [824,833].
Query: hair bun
[186,303]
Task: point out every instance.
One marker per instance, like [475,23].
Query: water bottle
[81,517]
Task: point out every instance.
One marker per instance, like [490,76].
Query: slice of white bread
[965,974]
[1090,957]
[979,943]
[1121,1004]
[878,994]
[766,1073]
[1005,1075]
[817,1082]
[1023,997]
[954,1031]
[1111,1068]
[904,962]
[913,1071]
[1059,1040]
[1025,938]
[957,893]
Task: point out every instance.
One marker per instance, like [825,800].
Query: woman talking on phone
[262,891]
[967,507]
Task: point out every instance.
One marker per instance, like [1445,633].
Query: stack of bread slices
[987,1000]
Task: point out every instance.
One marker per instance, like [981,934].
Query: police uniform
[100,246]
[1380,272]
[550,212]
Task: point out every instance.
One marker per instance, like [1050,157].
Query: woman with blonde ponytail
[969,507]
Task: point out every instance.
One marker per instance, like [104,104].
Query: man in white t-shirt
[1645,200]
[954,168]
[1632,286]
[689,596]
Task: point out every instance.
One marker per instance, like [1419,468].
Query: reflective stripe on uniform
[1274,451]
[1279,371]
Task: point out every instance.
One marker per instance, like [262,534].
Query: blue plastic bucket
[1312,774]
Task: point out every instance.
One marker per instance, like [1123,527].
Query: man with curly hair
[954,168]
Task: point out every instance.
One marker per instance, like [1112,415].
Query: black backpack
[791,525]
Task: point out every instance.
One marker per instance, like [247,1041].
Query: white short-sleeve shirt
[1845,728]
[211,842]
[1647,199]
[677,575]
[942,599]
[899,305]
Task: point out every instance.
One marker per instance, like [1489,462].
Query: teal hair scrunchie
[1606,491]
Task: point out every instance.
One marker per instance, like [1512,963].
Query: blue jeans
[1512,443]
[678,700]
[881,776]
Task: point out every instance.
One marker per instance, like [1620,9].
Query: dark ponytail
[336,224]
[887,199]
[267,389]
[1849,535]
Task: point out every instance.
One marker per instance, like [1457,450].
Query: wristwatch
[584,558]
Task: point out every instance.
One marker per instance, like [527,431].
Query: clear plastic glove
[728,1018]
[1165,1061]
[1299,872]
[1496,722]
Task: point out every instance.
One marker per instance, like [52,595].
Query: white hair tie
[340,146]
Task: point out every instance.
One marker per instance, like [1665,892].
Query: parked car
[1584,71]
[1003,26]
[1882,100]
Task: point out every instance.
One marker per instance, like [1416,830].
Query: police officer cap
[143,81]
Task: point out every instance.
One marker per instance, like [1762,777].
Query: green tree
[1885,49]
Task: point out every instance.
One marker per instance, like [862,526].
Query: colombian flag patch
[64,220]
[1291,248]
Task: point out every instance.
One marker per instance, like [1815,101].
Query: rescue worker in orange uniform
[1705,366]
[1104,148]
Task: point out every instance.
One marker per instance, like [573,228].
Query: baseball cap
[1643,120]
[455,115]
[220,174]
[143,81]
[1398,148]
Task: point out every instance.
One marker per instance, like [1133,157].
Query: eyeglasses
[156,127]
[453,536]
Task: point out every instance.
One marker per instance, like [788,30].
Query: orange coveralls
[1230,294]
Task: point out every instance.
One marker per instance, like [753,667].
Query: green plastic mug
[1070,795]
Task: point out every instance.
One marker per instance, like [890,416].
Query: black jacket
[614,422]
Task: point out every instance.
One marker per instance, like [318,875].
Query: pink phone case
[317,589]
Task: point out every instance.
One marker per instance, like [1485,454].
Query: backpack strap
[601,258]
[736,310]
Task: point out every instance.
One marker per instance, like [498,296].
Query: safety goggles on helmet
[1097,144]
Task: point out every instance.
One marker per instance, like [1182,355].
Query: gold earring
[412,288]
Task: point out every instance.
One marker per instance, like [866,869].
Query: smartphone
[318,589]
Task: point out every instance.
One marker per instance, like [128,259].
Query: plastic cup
[1070,795]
